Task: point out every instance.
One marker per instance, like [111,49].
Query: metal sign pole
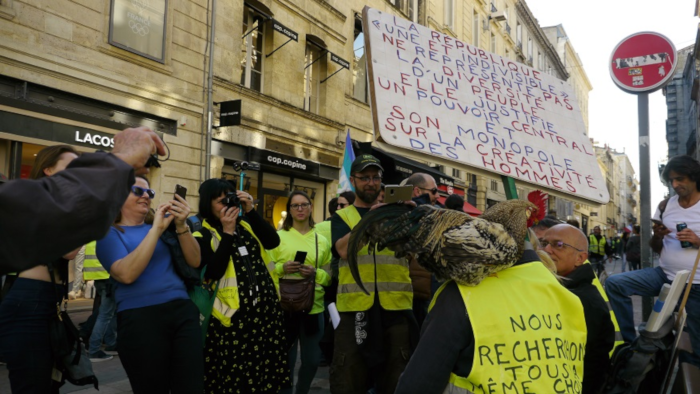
[645,191]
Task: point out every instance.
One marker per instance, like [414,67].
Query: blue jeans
[648,282]
[106,324]
[25,315]
[310,357]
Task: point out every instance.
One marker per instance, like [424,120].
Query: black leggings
[160,347]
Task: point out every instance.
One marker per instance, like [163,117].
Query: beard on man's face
[368,195]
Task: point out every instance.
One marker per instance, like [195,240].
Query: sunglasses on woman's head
[138,192]
[342,205]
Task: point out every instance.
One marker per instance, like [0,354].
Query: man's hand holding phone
[660,230]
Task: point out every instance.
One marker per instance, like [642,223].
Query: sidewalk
[113,378]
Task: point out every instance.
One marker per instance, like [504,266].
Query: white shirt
[673,257]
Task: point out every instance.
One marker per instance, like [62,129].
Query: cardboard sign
[440,96]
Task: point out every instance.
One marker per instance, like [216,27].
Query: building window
[494,185]
[507,54]
[456,173]
[359,64]
[529,48]
[450,14]
[315,61]
[519,35]
[540,61]
[493,43]
[139,27]
[475,28]
[413,10]
[252,59]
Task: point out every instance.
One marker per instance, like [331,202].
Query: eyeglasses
[302,206]
[433,190]
[138,192]
[365,179]
[342,205]
[558,245]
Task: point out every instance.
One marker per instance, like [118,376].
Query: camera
[231,200]
[241,166]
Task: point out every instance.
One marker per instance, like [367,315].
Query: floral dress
[250,356]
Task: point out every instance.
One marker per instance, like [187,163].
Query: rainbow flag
[348,158]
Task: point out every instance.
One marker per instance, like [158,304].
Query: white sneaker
[71,295]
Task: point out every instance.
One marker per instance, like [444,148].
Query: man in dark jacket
[568,248]
[634,250]
[72,207]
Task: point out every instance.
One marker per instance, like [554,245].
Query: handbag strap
[316,237]
[59,297]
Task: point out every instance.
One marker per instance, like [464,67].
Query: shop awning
[468,208]
[405,167]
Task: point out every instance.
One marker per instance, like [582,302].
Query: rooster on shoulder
[448,243]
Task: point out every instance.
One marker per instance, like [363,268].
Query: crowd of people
[541,325]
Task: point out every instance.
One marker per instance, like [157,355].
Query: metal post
[645,191]
[210,100]
[16,160]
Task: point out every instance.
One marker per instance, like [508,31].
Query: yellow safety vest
[227,301]
[392,278]
[92,269]
[618,335]
[594,246]
[529,334]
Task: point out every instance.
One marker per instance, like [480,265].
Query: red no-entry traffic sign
[643,62]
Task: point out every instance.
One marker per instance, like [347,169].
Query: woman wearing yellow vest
[299,234]
[30,304]
[244,347]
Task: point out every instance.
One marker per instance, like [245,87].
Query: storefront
[271,176]
[33,117]
[447,190]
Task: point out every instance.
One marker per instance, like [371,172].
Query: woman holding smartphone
[158,334]
[306,328]
[243,350]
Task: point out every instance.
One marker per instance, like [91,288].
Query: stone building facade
[77,71]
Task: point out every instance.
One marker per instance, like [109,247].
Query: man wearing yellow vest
[597,249]
[372,341]
[105,329]
[568,247]
[518,331]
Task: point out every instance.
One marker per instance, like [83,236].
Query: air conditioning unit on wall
[499,16]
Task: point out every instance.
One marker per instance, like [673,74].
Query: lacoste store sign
[50,131]
[439,96]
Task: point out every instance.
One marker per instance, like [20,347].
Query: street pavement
[113,379]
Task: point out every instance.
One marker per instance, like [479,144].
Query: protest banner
[439,96]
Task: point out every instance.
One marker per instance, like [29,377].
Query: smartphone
[181,191]
[300,257]
[396,193]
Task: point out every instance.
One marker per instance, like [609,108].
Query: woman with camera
[304,327]
[158,334]
[243,349]
[30,304]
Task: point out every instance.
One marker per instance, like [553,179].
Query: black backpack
[640,367]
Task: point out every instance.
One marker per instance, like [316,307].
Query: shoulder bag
[297,295]
[71,360]
[203,296]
